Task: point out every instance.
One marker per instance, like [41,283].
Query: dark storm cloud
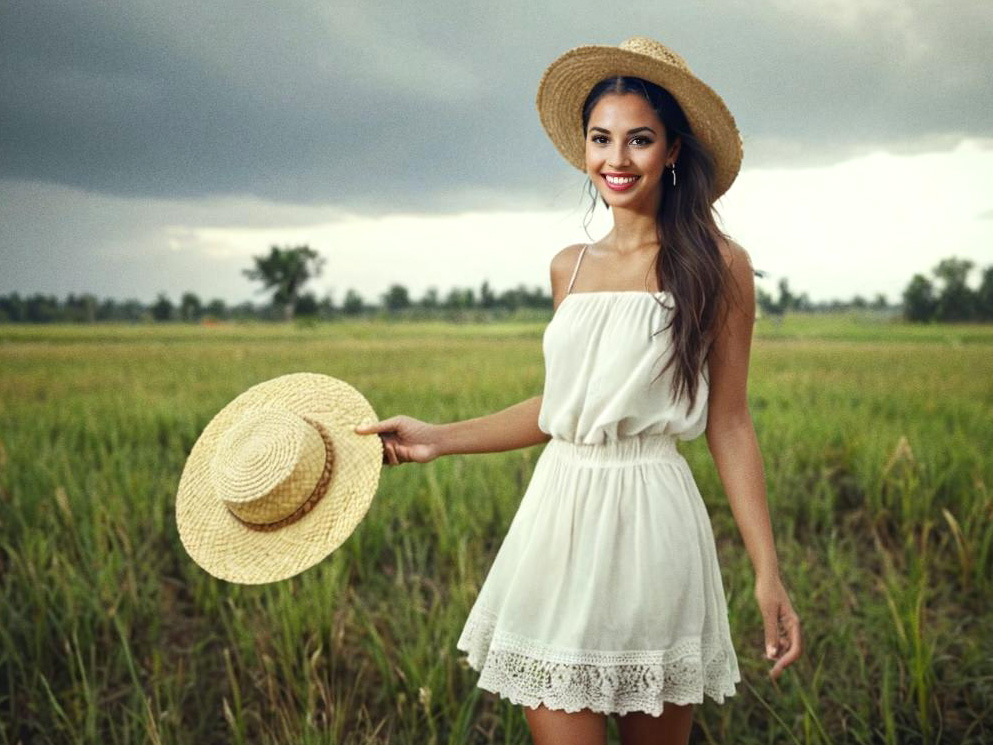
[429,105]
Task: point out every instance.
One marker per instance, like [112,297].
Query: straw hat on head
[278,479]
[568,80]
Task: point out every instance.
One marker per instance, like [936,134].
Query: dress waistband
[626,450]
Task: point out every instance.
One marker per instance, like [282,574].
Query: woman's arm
[409,440]
[508,429]
[734,447]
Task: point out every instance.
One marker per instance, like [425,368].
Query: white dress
[606,592]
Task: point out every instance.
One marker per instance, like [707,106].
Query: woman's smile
[619,181]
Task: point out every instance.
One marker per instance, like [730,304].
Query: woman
[606,594]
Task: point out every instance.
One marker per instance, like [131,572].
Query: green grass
[876,440]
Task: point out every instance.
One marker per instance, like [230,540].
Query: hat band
[320,488]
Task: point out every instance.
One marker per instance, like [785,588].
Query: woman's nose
[618,156]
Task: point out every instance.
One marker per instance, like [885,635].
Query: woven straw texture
[270,460]
[569,79]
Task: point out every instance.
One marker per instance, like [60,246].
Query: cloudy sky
[153,147]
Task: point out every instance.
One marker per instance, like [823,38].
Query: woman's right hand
[405,439]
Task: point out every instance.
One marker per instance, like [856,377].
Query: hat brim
[229,550]
[568,80]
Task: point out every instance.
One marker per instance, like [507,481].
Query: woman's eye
[641,141]
[599,139]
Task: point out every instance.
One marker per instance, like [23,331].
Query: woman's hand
[405,439]
[782,625]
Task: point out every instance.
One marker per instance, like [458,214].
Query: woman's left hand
[782,625]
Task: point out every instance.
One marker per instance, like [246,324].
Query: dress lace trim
[529,673]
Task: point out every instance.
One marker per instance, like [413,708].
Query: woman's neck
[633,232]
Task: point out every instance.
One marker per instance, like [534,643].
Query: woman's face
[627,151]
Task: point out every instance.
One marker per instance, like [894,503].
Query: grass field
[876,439]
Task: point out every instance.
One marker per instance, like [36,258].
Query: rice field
[876,439]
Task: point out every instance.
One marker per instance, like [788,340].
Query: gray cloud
[378,106]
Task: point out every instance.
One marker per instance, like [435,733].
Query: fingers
[789,644]
[386,425]
[770,620]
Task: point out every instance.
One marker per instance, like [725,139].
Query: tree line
[283,272]
[189,307]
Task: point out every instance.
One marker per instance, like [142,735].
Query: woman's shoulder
[561,267]
[734,253]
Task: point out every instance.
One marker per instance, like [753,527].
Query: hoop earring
[673,167]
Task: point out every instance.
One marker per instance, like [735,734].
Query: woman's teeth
[620,182]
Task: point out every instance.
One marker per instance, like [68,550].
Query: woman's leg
[672,727]
[558,727]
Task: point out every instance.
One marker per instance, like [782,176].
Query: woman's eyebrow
[630,131]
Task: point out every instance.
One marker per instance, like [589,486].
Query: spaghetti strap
[576,269]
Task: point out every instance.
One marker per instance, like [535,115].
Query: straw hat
[278,479]
[568,80]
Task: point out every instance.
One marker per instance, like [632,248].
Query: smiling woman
[606,596]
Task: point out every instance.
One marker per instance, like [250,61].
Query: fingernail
[770,651]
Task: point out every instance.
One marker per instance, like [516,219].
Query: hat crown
[655,49]
[267,464]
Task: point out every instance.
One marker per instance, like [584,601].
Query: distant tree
[486,297]
[216,309]
[918,299]
[984,296]
[306,305]
[12,308]
[242,311]
[859,302]
[353,303]
[879,302]
[459,298]
[42,308]
[162,309]
[326,308]
[132,309]
[80,308]
[430,298]
[108,310]
[284,272]
[396,298]
[765,302]
[786,301]
[956,302]
[190,307]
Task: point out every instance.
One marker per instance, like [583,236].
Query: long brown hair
[689,265]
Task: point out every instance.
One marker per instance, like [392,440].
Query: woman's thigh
[671,727]
[557,727]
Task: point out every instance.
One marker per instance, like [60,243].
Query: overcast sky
[149,147]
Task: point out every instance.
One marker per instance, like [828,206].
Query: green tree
[190,307]
[460,298]
[486,297]
[396,298]
[353,304]
[284,272]
[162,308]
[956,302]
[918,299]
[765,302]
[787,300]
[306,305]
[430,298]
[217,309]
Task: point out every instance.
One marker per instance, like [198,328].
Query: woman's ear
[674,149]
